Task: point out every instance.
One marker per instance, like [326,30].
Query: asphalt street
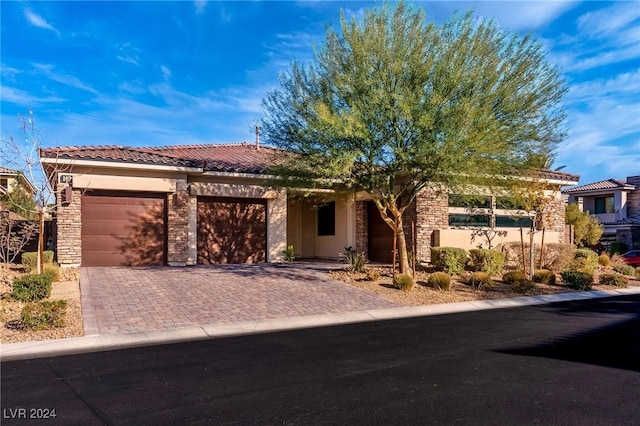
[571,363]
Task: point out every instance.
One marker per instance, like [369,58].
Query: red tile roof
[8,171]
[603,184]
[237,158]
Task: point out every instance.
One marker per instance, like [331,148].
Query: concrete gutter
[108,342]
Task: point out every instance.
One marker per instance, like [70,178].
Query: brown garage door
[123,228]
[232,230]
[380,237]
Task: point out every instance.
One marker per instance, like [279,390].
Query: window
[4,183]
[470,201]
[513,222]
[508,203]
[468,220]
[327,219]
[604,205]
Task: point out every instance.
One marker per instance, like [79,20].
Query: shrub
[485,260]
[52,270]
[604,260]
[354,260]
[557,257]
[544,276]
[577,280]
[585,260]
[31,287]
[44,314]
[440,280]
[403,282]
[624,269]
[373,275]
[30,259]
[638,271]
[479,280]
[449,259]
[518,281]
[618,247]
[614,279]
[289,254]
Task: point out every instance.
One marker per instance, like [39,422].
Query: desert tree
[392,104]
[23,154]
[587,229]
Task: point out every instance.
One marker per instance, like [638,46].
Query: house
[616,204]
[202,204]
[10,179]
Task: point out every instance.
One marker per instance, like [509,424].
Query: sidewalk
[96,343]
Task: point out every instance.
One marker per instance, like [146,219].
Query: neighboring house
[616,204]
[201,204]
[9,178]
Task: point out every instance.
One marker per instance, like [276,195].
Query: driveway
[124,299]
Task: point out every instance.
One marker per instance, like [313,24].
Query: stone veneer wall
[554,218]
[432,213]
[633,198]
[69,229]
[362,227]
[178,225]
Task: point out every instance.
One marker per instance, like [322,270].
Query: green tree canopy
[587,230]
[394,103]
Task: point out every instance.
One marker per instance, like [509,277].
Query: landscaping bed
[67,288]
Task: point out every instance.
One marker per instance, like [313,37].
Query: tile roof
[597,186]
[115,153]
[551,174]
[8,171]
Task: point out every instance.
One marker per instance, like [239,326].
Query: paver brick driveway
[123,299]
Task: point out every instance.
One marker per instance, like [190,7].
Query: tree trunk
[40,263]
[532,254]
[524,259]
[403,257]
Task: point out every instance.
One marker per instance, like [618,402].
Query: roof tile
[600,185]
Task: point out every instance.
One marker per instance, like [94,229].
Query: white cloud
[39,22]
[128,53]
[62,78]
[609,20]
[25,99]
[166,72]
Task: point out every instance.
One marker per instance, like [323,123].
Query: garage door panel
[232,230]
[127,229]
[380,237]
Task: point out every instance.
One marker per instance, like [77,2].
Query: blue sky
[185,72]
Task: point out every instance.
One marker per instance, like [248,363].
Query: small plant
[638,271]
[52,270]
[289,254]
[30,259]
[449,259]
[440,280]
[518,281]
[544,276]
[403,282]
[31,287]
[585,260]
[485,260]
[624,269]
[604,260]
[577,280]
[354,260]
[480,280]
[614,280]
[373,275]
[44,314]
[558,257]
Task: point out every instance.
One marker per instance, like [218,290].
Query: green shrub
[518,281]
[31,287]
[354,260]
[440,280]
[449,259]
[30,259]
[638,271]
[44,314]
[514,277]
[585,260]
[52,270]
[479,280]
[485,260]
[403,282]
[618,247]
[544,276]
[373,275]
[577,280]
[614,279]
[624,269]
[604,260]
[289,254]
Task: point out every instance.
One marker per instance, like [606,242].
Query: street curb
[107,342]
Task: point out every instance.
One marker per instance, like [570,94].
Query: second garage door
[232,230]
[123,228]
